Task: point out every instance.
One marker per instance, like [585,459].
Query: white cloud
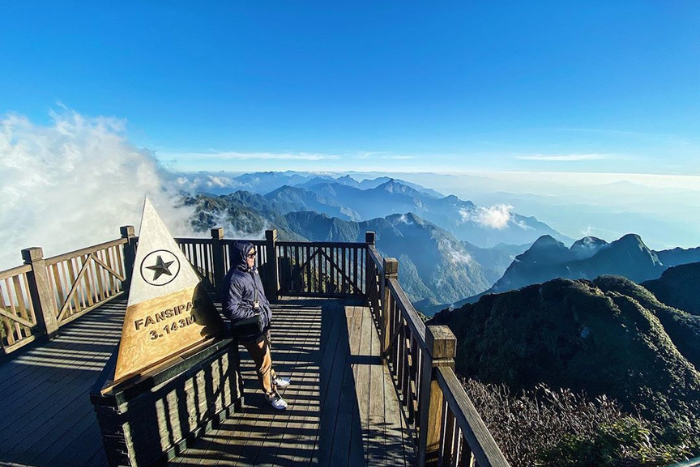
[523,225]
[454,255]
[564,157]
[73,183]
[495,217]
[403,219]
[459,257]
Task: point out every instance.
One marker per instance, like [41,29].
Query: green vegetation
[608,337]
[560,428]
[678,286]
[627,441]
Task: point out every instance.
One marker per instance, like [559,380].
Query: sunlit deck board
[343,408]
[328,349]
[46,417]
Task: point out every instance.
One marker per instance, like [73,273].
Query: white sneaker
[281,382]
[276,401]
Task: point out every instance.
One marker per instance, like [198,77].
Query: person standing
[244,303]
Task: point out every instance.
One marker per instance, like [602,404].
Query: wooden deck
[46,417]
[343,408]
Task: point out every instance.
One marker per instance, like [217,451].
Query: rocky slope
[678,287]
[607,336]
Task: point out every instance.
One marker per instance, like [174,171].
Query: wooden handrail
[324,244]
[16,271]
[478,438]
[229,241]
[196,240]
[321,268]
[17,318]
[408,310]
[376,257]
[423,373]
[47,293]
[83,251]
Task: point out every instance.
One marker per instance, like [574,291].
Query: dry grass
[530,422]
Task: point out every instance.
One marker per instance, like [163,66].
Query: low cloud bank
[74,182]
[494,217]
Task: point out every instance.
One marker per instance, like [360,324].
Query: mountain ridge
[606,336]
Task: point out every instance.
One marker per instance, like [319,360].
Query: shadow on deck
[343,408]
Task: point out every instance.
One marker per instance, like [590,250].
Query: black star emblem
[160,268]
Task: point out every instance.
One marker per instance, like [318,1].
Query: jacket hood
[239,254]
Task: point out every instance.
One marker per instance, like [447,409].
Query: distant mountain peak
[546,241]
[630,248]
[391,185]
[407,218]
[348,180]
[631,239]
[587,247]
[285,189]
[545,250]
[590,240]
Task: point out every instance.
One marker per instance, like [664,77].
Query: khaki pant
[260,352]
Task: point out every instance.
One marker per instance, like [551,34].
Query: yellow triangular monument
[168,311]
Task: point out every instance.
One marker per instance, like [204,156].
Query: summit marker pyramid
[168,311]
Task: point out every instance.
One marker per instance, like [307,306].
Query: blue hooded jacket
[241,286]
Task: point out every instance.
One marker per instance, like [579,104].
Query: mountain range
[472,250]
[223,183]
[342,211]
[587,258]
[432,263]
[481,226]
[607,336]
[348,199]
[435,267]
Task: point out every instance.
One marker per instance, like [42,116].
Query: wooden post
[41,291]
[391,271]
[369,278]
[217,248]
[272,291]
[127,232]
[441,348]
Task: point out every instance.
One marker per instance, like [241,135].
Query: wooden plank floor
[342,410]
[46,418]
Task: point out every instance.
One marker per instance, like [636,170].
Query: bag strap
[255,287]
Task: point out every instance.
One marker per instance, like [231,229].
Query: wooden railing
[85,279]
[17,318]
[47,293]
[42,295]
[448,429]
[319,269]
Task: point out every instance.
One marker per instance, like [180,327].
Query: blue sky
[413,86]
